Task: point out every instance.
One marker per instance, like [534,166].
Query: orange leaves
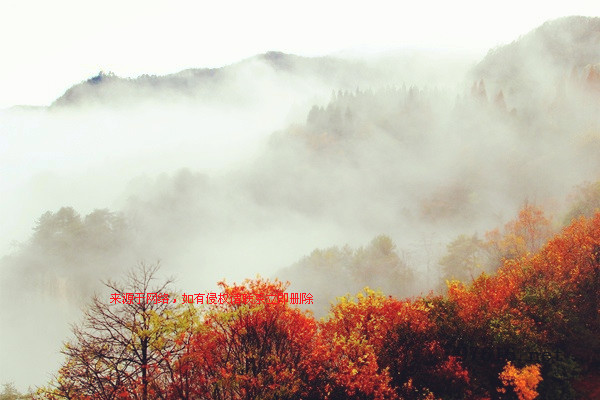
[355,333]
[522,236]
[373,315]
[523,381]
[532,226]
[561,266]
[393,341]
[470,308]
[548,301]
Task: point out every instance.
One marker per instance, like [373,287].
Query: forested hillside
[531,328]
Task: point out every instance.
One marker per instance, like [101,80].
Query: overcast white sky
[46,46]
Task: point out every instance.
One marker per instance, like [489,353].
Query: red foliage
[252,351]
[406,353]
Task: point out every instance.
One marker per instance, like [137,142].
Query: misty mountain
[264,75]
[224,84]
[558,49]
[544,64]
[383,160]
[401,160]
[565,43]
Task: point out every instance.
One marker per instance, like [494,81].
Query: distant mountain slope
[246,79]
[566,43]
[267,74]
[537,65]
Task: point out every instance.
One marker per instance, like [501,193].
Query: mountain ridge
[557,47]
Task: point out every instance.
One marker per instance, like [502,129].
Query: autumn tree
[542,303]
[354,331]
[524,235]
[528,329]
[124,349]
[468,256]
[391,349]
[523,381]
[253,347]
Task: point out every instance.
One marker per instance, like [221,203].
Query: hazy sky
[47,46]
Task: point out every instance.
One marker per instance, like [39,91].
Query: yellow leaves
[143,334]
[422,306]
[159,343]
[521,237]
